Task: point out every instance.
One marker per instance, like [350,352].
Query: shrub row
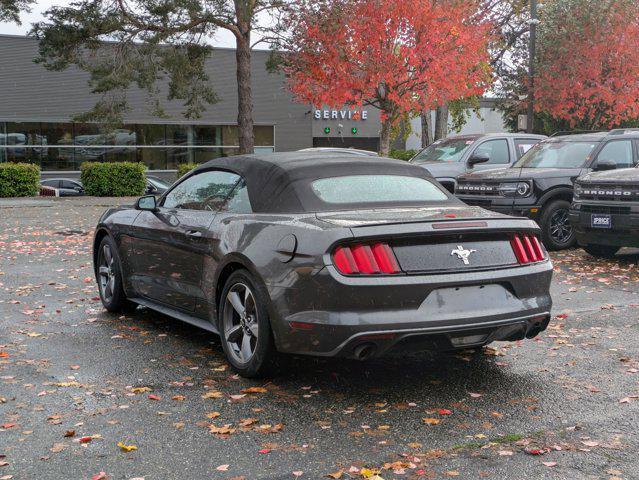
[184,168]
[19,179]
[118,179]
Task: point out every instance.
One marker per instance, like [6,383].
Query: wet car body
[502,150]
[177,261]
[605,210]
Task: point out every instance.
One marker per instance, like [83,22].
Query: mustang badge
[462,254]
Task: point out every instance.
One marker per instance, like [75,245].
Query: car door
[69,188]
[497,151]
[168,246]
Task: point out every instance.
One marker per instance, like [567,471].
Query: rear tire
[109,277]
[245,327]
[556,231]
[601,251]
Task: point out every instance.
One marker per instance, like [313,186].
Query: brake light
[365,259]
[527,249]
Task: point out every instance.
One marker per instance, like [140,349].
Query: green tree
[142,43]
[10,9]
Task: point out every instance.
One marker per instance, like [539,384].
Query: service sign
[343,114]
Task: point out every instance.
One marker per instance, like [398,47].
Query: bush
[19,179]
[119,179]
[184,168]
[403,154]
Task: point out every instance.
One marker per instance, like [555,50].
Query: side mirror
[605,165]
[147,203]
[478,158]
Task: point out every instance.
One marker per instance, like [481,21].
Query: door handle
[194,233]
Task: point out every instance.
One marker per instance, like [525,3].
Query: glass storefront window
[264,136]
[64,146]
[150,134]
[207,135]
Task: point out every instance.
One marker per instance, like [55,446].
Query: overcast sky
[223,38]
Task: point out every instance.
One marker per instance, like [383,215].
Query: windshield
[377,189]
[448,150]
[158,183]
[556,155]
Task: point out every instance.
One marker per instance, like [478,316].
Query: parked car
[66,187]
[540,184]
[345,151]
[156,186]
[448,158]
[605,211]
[333,255]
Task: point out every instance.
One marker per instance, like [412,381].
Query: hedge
[118,179]
[19,179]
[184,168]
[403,154]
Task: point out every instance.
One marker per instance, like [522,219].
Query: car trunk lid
[438,240]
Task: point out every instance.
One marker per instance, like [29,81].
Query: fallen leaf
[444,411]
[69,433]
[99,476]
[213,394]
[255,390]
[140,389]
[154,397]
[336,474]
[431,421]
[127,448]
[549,464]
[213,414]
[222,468]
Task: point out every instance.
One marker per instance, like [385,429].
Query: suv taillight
[365,259]
[528,249]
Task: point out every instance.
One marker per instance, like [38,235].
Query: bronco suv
[540,184]
[605,211]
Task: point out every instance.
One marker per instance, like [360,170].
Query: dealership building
[38,106]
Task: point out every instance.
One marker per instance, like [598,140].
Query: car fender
[554,193]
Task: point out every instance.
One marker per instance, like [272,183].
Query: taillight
[365,259]
[528,249]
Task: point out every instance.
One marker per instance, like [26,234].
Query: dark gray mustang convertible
[324,254]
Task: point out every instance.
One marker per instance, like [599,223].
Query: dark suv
[540,184]
[450,157]
[605,211]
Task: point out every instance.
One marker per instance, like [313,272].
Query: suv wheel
[244,326]
[556,231]
[602,251]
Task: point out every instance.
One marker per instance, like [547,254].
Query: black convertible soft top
[280,182]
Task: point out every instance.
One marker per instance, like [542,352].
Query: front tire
[109,276]
[601,251]
[556,231]
[245,327]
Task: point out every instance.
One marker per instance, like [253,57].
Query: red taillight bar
[364,259]
[527,249]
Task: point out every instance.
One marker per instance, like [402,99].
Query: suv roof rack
[623,131]
[574,132]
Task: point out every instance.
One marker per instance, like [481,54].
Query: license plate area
[601,220]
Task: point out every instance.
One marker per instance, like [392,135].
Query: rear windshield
[376,189]
[449,150]
[557,155]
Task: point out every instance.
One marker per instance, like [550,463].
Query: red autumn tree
[588,62]
[397,56]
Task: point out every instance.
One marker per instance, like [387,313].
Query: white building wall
[490,120]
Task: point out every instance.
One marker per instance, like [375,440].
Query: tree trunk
[384,137]
[441,122]
[427,128]
[244,91]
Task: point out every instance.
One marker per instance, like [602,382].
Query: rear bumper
[365,317]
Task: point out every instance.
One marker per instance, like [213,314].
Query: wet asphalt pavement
[75,381]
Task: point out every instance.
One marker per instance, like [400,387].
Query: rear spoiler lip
[403,229]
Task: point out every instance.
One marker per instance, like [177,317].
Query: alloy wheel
[560,228]
[106,274]
[240,324]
